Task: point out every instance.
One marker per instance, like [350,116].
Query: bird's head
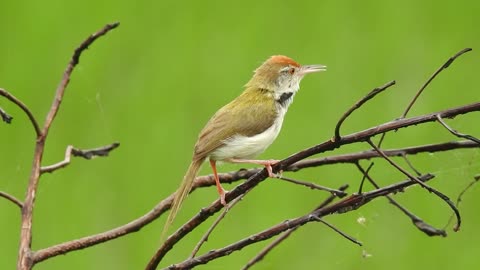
[281,74]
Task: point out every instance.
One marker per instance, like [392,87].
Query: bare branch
[68,72]
[139,223]
[12,199]
[25,255]
[418,222]
[214,225]
[456,133]
[365,175]
[355,157]
[417,172]
[281,165]
[427,187]
[206,181]
[348,237]
[286,234]
[368,133]
[357,105]
[24,108]
[459,198]
[86,154]
[347,204]
[444,66]
[335,192]
[5,116]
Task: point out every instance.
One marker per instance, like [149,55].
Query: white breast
[243,147]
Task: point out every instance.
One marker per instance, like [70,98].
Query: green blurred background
[152,84]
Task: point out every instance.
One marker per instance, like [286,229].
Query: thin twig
[24,108]
[335,192]
[418,222]
[369,154]
[5,116]
[427,187]
[404,156]
[287,233]
[365,175]
[348,237]
[456,133]
[215,224]
[349,203]
[460,196]
[357,105]
[86,154]
[25,255]
[444,66]
[11,198]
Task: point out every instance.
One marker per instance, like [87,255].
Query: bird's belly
[243,147]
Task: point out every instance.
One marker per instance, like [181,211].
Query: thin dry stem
[11,198]
[444,66]
[456,133]
[359,104]
[24,108]
[86,154]
[310,185]
[427,187]
[25,255]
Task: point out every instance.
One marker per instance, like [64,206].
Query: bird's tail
[182,193]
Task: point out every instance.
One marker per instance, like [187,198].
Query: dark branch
[460,195]
[215,224]
[137,224]
[281,165]
[355,157]
[456,133]
[24,108]
[348,237]
[87,154]
[286,234]
[357,105]
[335,192]
[444,66]
[364,135]
[347,204]
[418,222]
[12,199]
[425,186]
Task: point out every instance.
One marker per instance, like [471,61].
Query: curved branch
[359,104]
[86,154]
[444,66]
[456,133]
[12,199]
[24,108]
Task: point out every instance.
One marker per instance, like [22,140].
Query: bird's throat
[285,99]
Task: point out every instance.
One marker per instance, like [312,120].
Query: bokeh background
[153,83]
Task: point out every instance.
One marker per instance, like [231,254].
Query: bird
[245,127]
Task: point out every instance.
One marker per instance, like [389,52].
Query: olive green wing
[248,115]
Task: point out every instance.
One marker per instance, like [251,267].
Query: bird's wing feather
[249,114]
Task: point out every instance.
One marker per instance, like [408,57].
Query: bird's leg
[220,189]
[267,163]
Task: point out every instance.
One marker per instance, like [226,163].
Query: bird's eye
[289,70]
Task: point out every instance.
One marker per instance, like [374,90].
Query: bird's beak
[312,68]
